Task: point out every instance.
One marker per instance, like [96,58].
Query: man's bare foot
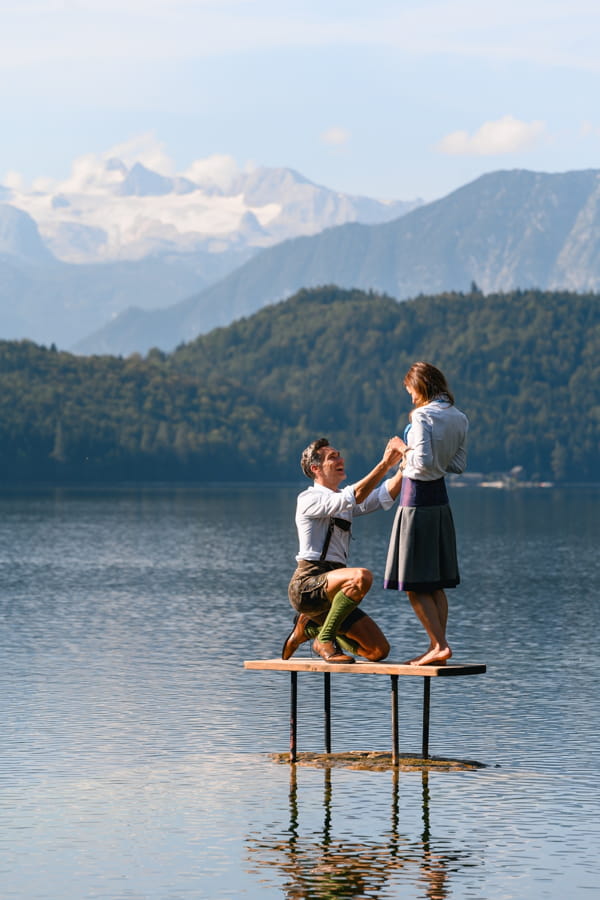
[435,656]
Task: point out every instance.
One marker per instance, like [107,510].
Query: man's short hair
[311,456]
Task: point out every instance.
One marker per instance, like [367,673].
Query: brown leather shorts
[307,591]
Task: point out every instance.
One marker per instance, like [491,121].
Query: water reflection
[130,731]
[329,867]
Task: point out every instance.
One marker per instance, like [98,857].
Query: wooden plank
[362,667]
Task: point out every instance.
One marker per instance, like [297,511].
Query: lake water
[136,751]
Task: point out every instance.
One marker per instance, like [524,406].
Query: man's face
[332,470]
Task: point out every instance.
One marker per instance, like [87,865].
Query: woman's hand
[394,451]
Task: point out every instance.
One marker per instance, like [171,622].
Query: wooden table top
[363,667]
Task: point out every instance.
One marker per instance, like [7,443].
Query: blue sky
[396,100]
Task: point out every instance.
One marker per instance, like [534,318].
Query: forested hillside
[241,402]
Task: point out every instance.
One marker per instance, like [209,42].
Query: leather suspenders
[344,524]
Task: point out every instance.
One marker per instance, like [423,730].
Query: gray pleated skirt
[422,550]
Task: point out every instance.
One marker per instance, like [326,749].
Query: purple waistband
[423,493]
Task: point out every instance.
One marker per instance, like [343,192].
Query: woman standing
[422,553]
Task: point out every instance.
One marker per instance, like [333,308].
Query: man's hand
[394,450]
[391,455]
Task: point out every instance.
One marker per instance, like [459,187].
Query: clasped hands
[394,451]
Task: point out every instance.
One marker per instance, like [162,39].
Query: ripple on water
[135,748]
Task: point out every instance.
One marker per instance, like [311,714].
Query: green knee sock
[312,629]
[348,644]
[340,609]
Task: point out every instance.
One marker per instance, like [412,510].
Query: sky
[395,100]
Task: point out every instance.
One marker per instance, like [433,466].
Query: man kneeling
[324,591]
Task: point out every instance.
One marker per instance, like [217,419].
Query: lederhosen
[306,588]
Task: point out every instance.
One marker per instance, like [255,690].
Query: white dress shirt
[318,504]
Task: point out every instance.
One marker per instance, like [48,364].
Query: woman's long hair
[427,382]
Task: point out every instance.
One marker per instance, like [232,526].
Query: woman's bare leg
[432,612]
[441,601]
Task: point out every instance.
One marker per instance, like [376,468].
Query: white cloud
[13,180]
[335,136]
[145,149]
[547,32]
[92,172]
[219,170]
[99,173]
[505,135]
[89,174]
[43,185]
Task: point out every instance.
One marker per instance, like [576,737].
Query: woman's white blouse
[437,441]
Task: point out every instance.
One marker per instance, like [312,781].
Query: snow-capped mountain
[109,211]
[124,229]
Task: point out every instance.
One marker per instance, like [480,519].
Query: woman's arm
[458,463]
[420,452]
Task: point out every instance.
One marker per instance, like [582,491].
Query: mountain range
[75,254]
[107,211]
[505,230]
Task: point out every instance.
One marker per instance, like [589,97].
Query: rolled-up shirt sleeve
[380,498]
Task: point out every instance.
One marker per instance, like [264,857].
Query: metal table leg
[293,710]
[426,693]
[395,739]
[327,708]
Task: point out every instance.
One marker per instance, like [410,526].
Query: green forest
[240,403]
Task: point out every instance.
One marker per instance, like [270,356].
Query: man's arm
[391,455]
[395,483]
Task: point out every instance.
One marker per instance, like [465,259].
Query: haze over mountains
[165,280]
[76,253]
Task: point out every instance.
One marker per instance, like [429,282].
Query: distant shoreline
[484,484]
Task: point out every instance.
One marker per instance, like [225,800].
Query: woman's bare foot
[435,656]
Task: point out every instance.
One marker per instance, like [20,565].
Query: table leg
[293,711]
[426,693]
[327,709]
[395,739]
